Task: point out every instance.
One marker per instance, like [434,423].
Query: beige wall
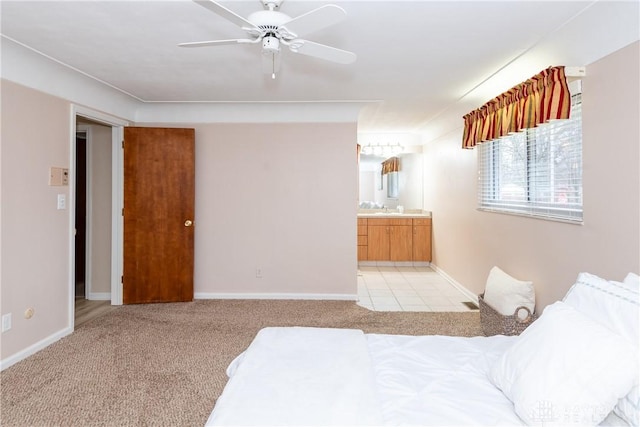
[35,235]
[279,197]
[100,161]
[467,242]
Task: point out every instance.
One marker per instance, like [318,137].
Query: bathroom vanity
[394,237]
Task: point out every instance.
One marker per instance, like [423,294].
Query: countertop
[392,214]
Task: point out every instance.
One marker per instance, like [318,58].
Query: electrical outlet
[6,322]
[258,272]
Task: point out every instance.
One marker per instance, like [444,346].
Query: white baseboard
[99,296]
[339,297]
[472,296]
[33,349]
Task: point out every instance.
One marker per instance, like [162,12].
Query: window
[392,185]
[536,172]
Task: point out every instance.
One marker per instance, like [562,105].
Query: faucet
[386,208]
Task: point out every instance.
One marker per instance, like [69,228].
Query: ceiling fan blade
[216,42]
[322,51]
[227,14]
[314,20]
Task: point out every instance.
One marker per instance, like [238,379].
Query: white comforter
[301,377]
[315,376]
[438,380]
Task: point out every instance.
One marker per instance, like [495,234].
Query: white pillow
[565,369]
[505,294]
[616,306]
[613,304]
[633,281]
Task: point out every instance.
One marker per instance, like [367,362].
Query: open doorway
[81,213]
[93,219]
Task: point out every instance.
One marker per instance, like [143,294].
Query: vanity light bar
[379,149]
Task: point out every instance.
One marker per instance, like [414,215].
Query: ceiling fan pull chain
[273,66]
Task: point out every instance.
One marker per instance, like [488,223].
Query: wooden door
[400,243]
[159,199]
[378,242]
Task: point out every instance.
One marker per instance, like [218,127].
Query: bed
[576,364]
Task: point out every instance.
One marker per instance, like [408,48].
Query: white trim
[250,112]
[276,296]
[26,66]
[117,221]
[99,296]
[473,297]
[71,206]
[116,191]
[98,116]
[33,349]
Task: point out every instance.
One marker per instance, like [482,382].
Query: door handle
[188,223]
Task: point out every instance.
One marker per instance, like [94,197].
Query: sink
[388,213]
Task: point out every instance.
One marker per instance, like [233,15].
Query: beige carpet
[164,364]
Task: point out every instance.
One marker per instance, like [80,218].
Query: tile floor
[408,289]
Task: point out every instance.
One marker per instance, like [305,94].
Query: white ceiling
[416,59]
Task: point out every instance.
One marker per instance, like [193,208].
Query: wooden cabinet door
[378,243]
[400,243]
[422,243]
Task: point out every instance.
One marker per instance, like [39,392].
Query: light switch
[62,202]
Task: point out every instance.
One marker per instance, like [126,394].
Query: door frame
[117,190]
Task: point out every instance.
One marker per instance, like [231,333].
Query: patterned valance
[543,97]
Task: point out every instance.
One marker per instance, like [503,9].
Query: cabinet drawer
[362,240]
[362,230]
[362,221]
[390,221]
[421,221]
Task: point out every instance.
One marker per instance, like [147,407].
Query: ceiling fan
[273,29]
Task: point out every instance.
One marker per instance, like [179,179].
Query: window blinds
[535,172]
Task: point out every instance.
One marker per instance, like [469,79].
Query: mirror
[403,188]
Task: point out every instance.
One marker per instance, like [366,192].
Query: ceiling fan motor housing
[270,44]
